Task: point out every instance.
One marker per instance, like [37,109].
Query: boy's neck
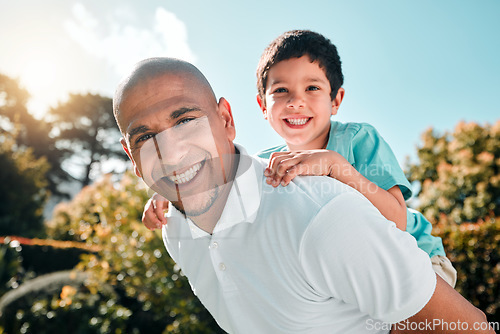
[317,144]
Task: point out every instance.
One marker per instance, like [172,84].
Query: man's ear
[125,148]
[227,117]
[337,100]
[262,106]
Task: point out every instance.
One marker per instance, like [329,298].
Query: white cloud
[121,43]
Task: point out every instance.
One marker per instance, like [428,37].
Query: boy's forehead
[282,69]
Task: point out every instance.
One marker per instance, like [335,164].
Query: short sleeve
[266,154]
[374,159]
[352,253]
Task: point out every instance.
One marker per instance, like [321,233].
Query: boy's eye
[280,90]
[312,88]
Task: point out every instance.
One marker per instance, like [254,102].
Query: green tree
[29,132]
[22,185]
[459,173]
[132,259]
[84,127]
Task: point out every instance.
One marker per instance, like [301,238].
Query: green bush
[132,259]
[459,174]
[11,269]
[22,185]
[65,308]
[473,249]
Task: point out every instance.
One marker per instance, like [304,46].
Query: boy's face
[298,104]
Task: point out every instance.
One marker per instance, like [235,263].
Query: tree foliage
[85,128]
[132,259]
[75,137]
[22,185]
[459,173]
[29,132]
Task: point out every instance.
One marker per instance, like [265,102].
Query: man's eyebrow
[137,130]
[179,112]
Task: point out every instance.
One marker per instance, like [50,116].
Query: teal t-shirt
[369,154]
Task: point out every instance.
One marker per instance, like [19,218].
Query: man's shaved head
[178,136]
[152,68]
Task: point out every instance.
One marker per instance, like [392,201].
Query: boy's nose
[296,101]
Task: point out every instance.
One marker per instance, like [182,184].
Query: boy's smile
[298,104]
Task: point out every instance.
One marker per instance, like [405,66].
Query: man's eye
[184,121]
[312,88]
[144,137]
[280,90]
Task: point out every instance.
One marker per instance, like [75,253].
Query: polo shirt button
[215,245]
[222,266]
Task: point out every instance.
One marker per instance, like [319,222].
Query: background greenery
[121,279]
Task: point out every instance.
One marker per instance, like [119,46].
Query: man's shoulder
[304,195]
[321,189]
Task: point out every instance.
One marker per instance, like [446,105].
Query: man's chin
[197,205]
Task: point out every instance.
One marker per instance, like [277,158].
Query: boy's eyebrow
[307,79]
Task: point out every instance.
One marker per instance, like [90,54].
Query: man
[314,257]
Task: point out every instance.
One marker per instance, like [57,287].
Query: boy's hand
[153,216]
[284,166]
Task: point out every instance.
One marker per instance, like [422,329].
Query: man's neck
[208,220]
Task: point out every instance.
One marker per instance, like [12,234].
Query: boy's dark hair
[295,44]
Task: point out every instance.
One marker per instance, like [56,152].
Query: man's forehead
[155,96]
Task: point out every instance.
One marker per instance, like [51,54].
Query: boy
[299,81]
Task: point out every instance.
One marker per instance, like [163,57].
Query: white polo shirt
[313,257]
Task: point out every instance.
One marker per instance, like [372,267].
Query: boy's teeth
[186,176]
[297,121]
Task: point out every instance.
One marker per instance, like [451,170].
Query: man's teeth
[297,121]
[186,176]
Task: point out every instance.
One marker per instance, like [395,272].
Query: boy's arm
[153,216]
[446,312]
[284,166]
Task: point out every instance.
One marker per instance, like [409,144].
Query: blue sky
[408,65]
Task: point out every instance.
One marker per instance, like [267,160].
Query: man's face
[179,139]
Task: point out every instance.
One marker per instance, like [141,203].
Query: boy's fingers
[285,164]
[159,207]
[278,154]
[273,181]
[298,169]
[150,220]
[276,158]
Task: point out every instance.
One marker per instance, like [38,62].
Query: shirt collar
[243,200]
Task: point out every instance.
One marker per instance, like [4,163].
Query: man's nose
[171,151]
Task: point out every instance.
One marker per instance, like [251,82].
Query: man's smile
[187,175]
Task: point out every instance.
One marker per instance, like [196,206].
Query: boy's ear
[262,106]
[337,100]
[125,148]
[227,117]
